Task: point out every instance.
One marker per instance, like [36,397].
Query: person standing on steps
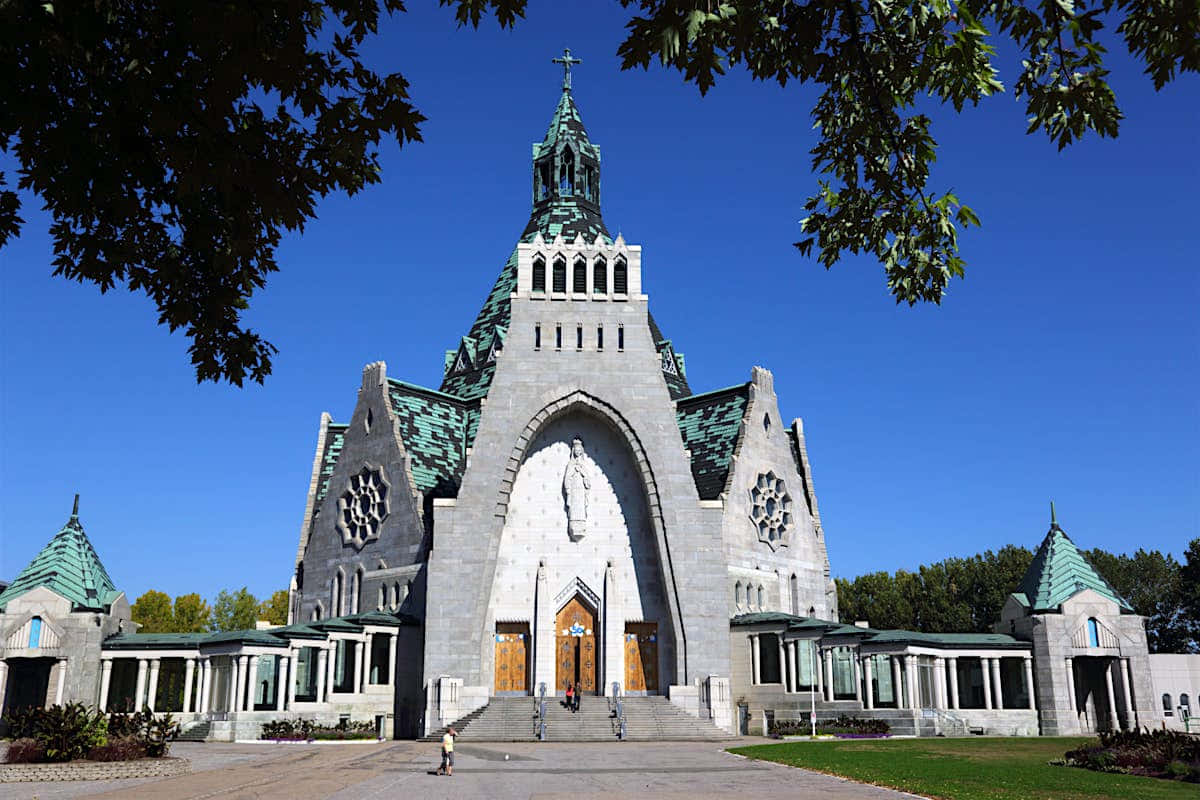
[578,697]
[570,697]
[447,767]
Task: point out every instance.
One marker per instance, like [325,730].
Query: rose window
[363,507]
[771,509]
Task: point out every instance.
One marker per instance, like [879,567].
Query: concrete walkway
[687,771]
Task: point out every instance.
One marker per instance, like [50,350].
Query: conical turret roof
[1059,572]
[69,566]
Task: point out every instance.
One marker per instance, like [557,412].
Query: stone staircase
[647,719]
[197,732]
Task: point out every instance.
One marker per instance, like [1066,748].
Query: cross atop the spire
[567,61]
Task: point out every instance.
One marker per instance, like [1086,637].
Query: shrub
[845,725]
[24,723]
[69,731]
[1157,754]
[154,734]
[25,751]
[118,748]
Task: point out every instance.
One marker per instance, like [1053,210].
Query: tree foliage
[192,614]
[152,611]
[235,611]
[174,148]
[275,608]
[967,594]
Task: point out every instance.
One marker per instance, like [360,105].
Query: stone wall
[94,770]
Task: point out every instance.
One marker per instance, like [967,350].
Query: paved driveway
[687,771]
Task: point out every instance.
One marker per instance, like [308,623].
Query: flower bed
[77,733]
[1156,754]
[843,726]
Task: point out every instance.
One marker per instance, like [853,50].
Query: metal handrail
[619,711]
[542,711]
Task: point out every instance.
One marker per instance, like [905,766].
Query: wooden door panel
[576,659]
[641,657]
[512,657]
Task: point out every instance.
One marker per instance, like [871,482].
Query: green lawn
[969,769]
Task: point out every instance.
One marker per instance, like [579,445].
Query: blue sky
[1066,365]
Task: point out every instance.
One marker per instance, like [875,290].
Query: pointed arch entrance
[575,654]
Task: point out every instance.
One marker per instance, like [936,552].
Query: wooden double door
[512,658]
[641,657]
[576,658]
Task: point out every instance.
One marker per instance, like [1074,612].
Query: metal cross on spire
[567,61]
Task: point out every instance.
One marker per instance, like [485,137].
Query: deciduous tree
[192,614]
[235,611]
[275,608]
[152,611]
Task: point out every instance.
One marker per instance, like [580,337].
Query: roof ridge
[702,395]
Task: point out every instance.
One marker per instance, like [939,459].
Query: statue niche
[575,489]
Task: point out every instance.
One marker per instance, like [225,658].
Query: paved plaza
[695,771]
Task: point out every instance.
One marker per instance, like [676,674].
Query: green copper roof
[69,566]
[951,640]
[709,424]
[334,439]
[1059,572]
[434,427]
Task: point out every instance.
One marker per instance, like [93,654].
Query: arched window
[382,598]
[737,593]
[545,176]
[762,597]
[396,595]
[317,611]
[35,632]
[539,274]
[1168,709]
[620,277]
[1093,629]
[1185,705]
[812,611]
[591,187]
[600,276]
[560,274]
[579,278]
[566,173]
[335,595]
[794,585]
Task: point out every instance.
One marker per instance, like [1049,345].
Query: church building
[565,511]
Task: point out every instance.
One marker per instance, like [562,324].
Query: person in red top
[571,696]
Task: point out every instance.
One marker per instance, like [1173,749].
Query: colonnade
[944,693]
[239,691]
[1115,722]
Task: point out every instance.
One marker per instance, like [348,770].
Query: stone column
[1131,715]
[910,672]
[854,668]
[818,667]
[332,668]
[783,665]
[62,680]
[360,679]
[139,692]
[1071,684]
[106,666]
[939,682]
[754,659]
[205,684]
[828,667]
[3,681]
[793,685]
[954,683]
[293,671]
[244,681]
[393,639]
[868,684]
[252,684]
[1029,682]
[999,691]
[1112,700]
[189,676]
[235,682]
[897,682]
[322,668]
[985,665]
[281,681]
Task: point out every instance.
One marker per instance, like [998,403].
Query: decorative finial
[75,510]
[1053,521]
[567,61]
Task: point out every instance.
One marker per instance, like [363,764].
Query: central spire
[566,173]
